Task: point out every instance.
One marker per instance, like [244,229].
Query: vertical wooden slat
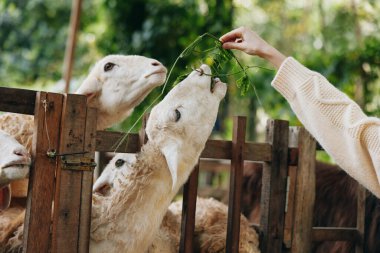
[273,192]
[42,175]
[289,208]
[236,179]
[360,219]
[143,138]
[69,182]
[188,212]
[304,194]
[86,195]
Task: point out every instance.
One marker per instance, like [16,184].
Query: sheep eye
[109,66]
[119,163]
[177,115]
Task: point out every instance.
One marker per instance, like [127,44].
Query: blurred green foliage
[340,39]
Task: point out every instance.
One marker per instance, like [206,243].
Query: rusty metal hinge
[78,163]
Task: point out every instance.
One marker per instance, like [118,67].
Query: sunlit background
[340,39]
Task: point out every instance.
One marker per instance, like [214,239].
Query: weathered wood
[273,193]
[304,193]
[143,138]
[86,194]
[360,219]
[17,100]
[188,212]
[289,208]
[236,180]
[334,234]
[107,141]
[67,203]
[42,174]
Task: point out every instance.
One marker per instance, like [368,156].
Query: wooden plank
[188,212]
[236,181]
[360,218]
[334,234]
[305,193]
[289,208]
[143,138]
[17,100]
[42,174]
[86,194]
[107,141]
[273,192]
[69,182]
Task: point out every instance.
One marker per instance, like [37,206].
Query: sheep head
[118,83]
[14,164]
[120,163]
[182,122]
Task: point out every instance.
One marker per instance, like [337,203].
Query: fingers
[234,45]
[232,35]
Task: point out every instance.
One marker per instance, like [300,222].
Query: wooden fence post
[72,182]
[188,212]
[236,180]
[273,193]
[304,193]
[47,118]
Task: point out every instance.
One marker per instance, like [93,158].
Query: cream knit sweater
[337,122]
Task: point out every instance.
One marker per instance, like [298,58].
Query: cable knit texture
[337,122]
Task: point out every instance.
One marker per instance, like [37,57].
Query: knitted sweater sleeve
[337,122]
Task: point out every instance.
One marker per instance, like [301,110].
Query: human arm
[249,42]
[337,122]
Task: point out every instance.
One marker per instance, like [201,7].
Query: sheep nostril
[156,64]
[21,152]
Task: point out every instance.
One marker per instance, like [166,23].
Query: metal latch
[78,163]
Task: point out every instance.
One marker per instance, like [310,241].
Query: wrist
[275,57]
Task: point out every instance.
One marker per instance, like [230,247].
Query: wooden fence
[59,194]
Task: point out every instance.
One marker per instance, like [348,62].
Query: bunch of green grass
[218,58]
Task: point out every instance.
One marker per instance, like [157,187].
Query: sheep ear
[90,87]
[171,153]
[5,197]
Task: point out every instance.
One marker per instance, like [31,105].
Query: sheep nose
[156,63]
[22,152]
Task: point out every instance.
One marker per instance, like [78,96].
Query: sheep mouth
[161,71]
[17,164]
[215,83]
[103,190]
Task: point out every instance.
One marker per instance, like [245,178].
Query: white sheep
[14,164]
[14,160]
[127,220]
[211,217]
[115,86]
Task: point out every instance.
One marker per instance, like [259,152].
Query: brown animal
[335,206]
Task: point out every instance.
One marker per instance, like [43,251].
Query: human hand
[249,42]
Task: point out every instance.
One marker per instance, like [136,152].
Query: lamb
[14,164]
[211,217]
[115,85]
[129,217]
[14,159]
